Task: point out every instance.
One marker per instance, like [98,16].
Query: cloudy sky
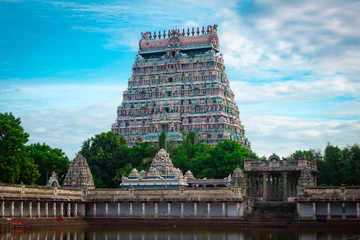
[294,65]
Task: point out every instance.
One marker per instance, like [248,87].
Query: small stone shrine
[79,174]
[273,179]
[53,180]
[162,174]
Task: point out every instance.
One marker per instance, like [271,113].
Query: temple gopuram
[179,84]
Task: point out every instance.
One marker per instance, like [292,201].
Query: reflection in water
[172,234]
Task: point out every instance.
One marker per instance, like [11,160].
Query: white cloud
[68,128]
[283,135]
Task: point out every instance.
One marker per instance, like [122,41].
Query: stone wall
[329,202]
[33,201]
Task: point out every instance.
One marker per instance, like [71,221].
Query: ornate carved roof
[190,39]
[162,162]
[153,173]
[134,173]
[79,174]
[189,175]
[238,173]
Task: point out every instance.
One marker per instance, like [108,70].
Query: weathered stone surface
[79,174]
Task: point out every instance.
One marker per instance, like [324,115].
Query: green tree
[351,166]
[334,162]
[105,153]
[48,159]
[219,161]
[16,166]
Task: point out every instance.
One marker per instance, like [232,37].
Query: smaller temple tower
[238,178]
[79,174]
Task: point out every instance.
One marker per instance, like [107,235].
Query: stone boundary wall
[187,194]
[331,193]
[17,192]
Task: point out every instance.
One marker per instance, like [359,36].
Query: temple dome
[162,162]
[134,173]
[189,175]
[238,173]
[79,174]
[143,173]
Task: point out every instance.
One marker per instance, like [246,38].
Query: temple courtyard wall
[19,201]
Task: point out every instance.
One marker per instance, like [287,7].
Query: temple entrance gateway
[273,179]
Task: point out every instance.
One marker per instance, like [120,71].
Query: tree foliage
[336,166]
[16,165]
[48,159]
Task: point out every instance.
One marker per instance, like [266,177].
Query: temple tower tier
[179,84]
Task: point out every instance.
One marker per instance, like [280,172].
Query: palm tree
[190,141]
[191,138]
[164,142]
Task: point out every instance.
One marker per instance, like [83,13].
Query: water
[98,233]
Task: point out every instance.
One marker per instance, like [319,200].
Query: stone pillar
[62,209]
[328,210]
[265,176]
[208,209]
[94,209]
[54,208]
[343,215]
[357,210]
[106,209]
[21,209]
[39,209]
[285,186]
[273,192]
[118,209]
[195,209]
[238,209]
[156,209]
[169,209]
[298,208]
[3,209]
[69,210]
[30,209]
[277,187]
[143,209]
[223,209]
[182,209]
[75,210]
[47,209]
[289,186]
[131,208]
[314,210]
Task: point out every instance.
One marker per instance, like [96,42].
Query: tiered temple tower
[79,174]
[179,84]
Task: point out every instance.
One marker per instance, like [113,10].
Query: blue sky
[294,65]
